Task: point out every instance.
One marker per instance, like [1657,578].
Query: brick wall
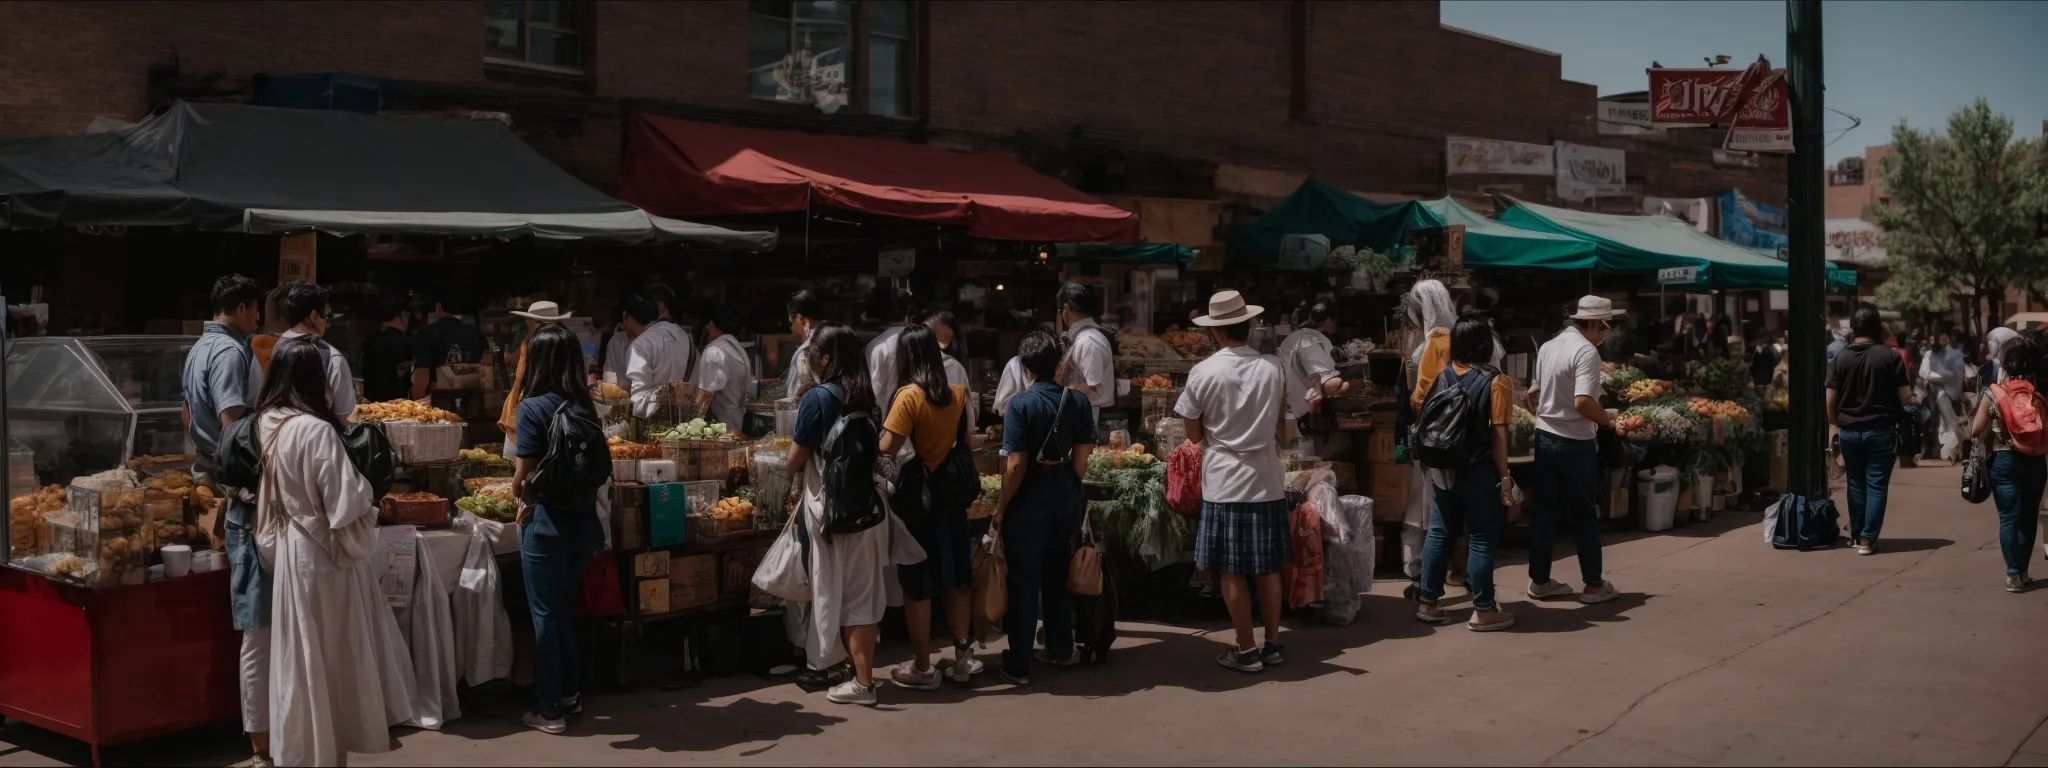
[1137,97]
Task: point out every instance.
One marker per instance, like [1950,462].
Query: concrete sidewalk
[1722,651]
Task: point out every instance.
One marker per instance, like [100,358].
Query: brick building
[1203,100]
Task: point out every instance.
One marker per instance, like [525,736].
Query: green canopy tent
[1489,243]
[1321,209]
[1649,243]
[1141,253]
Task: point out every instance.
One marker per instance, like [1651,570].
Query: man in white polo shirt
[1565,394]
[1234,409]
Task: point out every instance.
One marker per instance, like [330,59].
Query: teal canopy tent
[1142,253]
[1648,243]
[1489,243]
[1321,209]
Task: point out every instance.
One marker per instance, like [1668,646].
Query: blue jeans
[1567,484]
[1868,453]
[1471,506]
[2016,483]
[1038,549]
[553,566]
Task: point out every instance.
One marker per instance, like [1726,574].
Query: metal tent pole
[1805,222]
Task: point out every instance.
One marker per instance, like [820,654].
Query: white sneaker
[965,666]
[907,676]
[1549,589]
[544,725]
[1600,594]
[852,692]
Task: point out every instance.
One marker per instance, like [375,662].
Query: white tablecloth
[456,625]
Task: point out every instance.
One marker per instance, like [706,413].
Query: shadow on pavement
[1570,616]
[1885,545]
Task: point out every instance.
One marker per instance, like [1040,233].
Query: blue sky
[1885,60]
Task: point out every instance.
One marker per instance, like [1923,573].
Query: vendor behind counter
[724,373]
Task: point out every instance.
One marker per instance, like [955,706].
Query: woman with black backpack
[1470,500]
[2017,476]
[558,528]
[929,415]
[849,571]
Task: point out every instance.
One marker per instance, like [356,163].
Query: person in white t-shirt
[1090,365]
[900,311]
[1565,396]
[1235,415]
[723,374]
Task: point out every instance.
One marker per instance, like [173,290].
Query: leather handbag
[1976,475]
[1084,576]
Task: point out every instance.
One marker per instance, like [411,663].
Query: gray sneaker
[1549,589]
[1247,661]
[907,676]
[852,692]
[2015,584]
[1599,594]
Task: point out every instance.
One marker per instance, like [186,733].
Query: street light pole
[1806,200]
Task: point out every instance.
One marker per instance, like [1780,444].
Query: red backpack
[2021,408]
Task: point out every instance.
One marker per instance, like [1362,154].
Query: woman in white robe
[339,669]
[853,581]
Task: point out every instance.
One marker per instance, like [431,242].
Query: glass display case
[78,409]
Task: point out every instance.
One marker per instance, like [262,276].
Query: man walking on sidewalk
[1867,390]
[1565,394]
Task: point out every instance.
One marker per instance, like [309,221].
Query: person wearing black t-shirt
[1867,389]
[387,355]
[451,339]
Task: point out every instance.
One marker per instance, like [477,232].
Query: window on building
[824,52]
[542,32]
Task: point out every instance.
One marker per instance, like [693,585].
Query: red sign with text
[1764,122]
[1682,97]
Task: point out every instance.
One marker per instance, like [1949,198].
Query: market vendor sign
[1764,122]
[1699,97]
[1467,155]
[1678,275]
[1584,172]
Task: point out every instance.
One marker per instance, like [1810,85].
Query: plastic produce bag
[785,570]
[1348,563]
[483,633]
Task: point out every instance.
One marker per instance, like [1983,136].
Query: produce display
[1717,409]
[1668,420]
[1631,424]
[1646,389]
[991,495]
[404,410]
[1189,344]
[146,463]
[1522,432]
[694,429]
[623,449]
[1722,376]
[1154,381]
[610,392]
[489,507]
[1357,350]
[1145,345]
[1620,377]
[1777,400]
[123,545]
[1101,462]
[489,459]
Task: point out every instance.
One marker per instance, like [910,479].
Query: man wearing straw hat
[1565,394]
[1235,413]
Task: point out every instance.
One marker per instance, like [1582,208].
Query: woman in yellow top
[1471,500]
[927,414]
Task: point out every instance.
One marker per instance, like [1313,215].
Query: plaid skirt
[1247,538]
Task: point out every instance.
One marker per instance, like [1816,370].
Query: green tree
[1962,214]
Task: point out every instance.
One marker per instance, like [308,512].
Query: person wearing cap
[1565,394]
[1235,409]
[508,419]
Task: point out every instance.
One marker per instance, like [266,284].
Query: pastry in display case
[85,405]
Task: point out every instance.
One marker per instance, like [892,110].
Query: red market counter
[118,665]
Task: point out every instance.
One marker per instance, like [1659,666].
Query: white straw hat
[1597,308]
[1228,308]
[544,311]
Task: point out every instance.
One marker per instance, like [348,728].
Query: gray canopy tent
[236,168]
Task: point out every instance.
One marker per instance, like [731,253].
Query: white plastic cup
[177,560]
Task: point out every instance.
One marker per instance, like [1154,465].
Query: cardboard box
[667,510]
[654,596]
[1379,447]
[629,516]
[650,565]
[733,573]
[1617,503]
[693,581]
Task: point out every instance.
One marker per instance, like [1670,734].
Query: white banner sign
[1465,155]
[1584,172]
[1678,275]
[1625,119]
[1693,210]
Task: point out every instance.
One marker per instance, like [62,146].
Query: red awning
[678,167]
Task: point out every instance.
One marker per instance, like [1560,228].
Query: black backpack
[852,503]
[577,460]
[1448,433]
[238,461]
[952,486]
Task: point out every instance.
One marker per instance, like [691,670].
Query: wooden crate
[693,581]
[1379,446]
[654,596]
[1388,487]
[650,565]
[629,516]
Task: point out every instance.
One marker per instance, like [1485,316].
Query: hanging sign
[1465,155]
[1764,122]
[1619,118]
[896,262]
[1697,97]
[1454,246]
[1678,275]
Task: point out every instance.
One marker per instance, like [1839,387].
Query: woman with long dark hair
[340,673]
[1470,500]
[557,536]
[850,587]
[2017,479]
[947,329]
[927,415]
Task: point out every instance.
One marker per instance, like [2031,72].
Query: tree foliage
[1962,213]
